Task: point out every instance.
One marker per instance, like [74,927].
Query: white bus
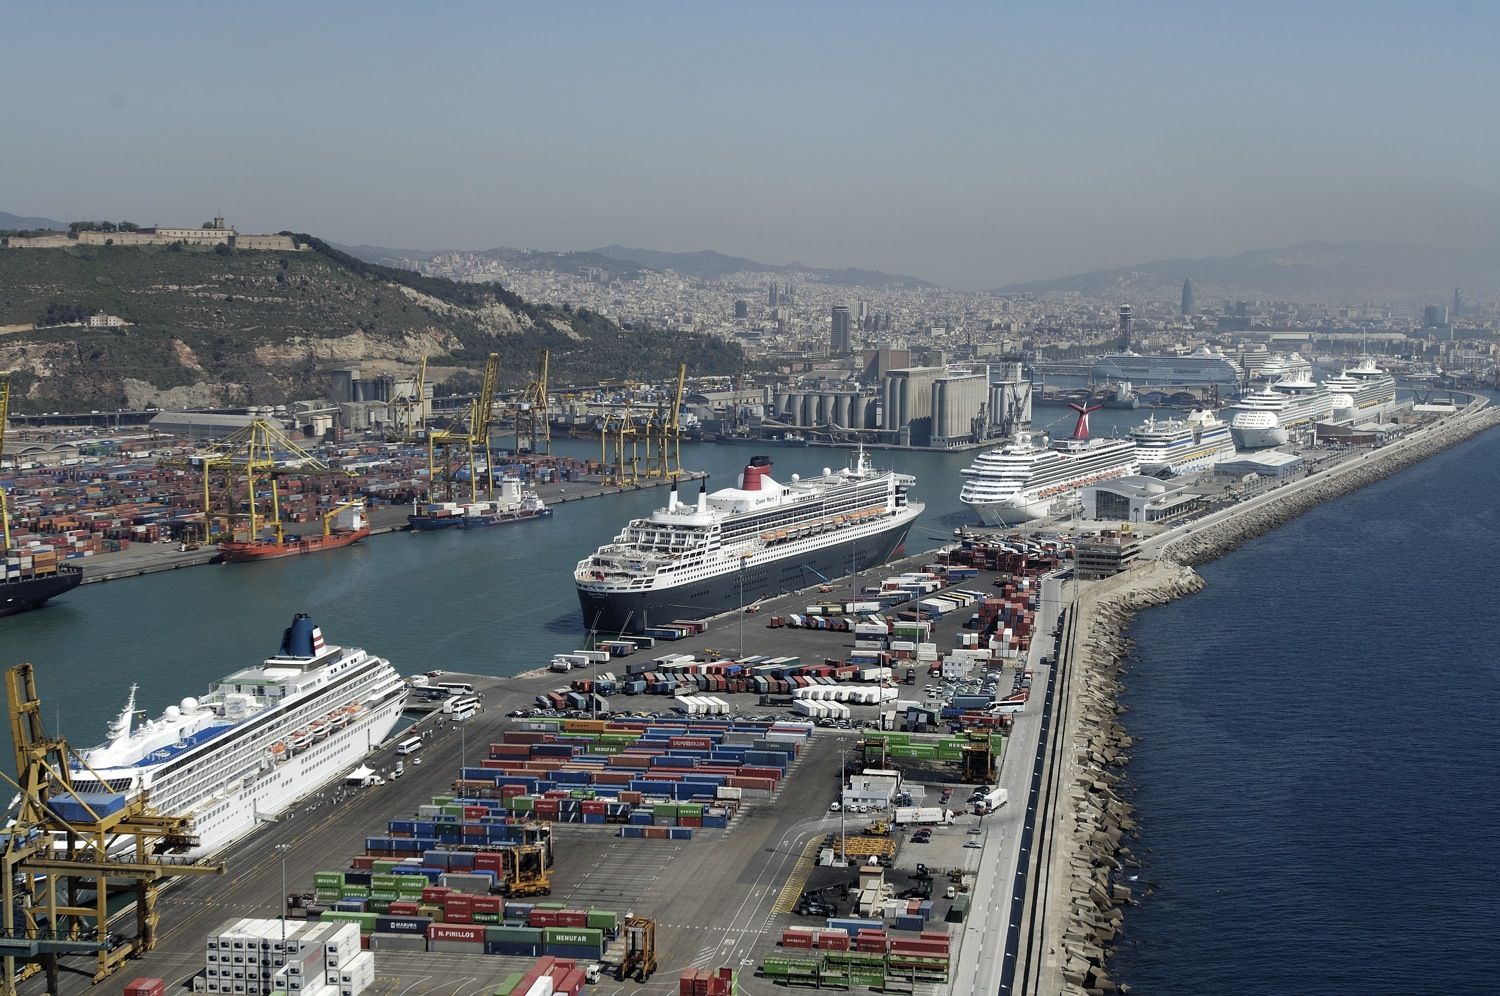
[409,746]
[461,707]
[457,687]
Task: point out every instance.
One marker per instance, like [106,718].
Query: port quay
[1023,896]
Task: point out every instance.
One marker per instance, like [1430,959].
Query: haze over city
[971,145]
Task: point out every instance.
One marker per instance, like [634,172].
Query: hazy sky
[974,145]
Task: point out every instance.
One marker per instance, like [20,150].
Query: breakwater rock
[1092,815]
[1210,542]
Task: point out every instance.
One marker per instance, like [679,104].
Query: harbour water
[1316,760]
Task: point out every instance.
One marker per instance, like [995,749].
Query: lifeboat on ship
[299,741]
[278,752]
[319,729]
[338,719]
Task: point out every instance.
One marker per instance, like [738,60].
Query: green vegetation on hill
[236,327]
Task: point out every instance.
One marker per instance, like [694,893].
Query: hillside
[1312,271]
[241,327]
[17,223]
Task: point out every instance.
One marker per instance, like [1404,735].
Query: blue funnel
[297,640]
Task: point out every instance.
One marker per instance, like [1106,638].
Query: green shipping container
[603,919]
[522,935]
[392,882]
[328,880]
[571,935]
[508,985]
[354,892]
[366,921]
[381,906]
[550,906]
[486,917]
[383,865]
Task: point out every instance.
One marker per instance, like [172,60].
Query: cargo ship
[24,590]
[261,739]
[350,527]
[738,545]
[513,504]
[1022,480]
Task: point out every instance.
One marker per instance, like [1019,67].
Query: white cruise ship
[1281,366]
[261,738]
[1021,481]
[1266,417]
[741,544]
[1370,390]
[1201,367]
[1180,446]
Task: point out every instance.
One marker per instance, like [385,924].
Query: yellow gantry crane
[481,416]
[66,843]
[618,428]
[664,435]
[533,423]
[258,455]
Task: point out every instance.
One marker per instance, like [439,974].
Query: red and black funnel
[1081,430]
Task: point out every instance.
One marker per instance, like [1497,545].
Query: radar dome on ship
[172,712]
[189,704]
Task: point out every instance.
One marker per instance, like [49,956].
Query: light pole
[281,850]
[742,608]
[843,808]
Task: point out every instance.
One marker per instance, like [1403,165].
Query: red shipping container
[572,918]
[364,942]
[144,986]
[571,984]
[434,894]
[488,904]
[455,932]
[542,918]
[457,916]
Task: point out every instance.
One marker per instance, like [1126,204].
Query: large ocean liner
[1370,390]
[1021,480]
[741,544]
[259,740]
[1266,417]
[1182,445]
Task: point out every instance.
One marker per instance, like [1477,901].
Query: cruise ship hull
[20,594]
[1017,510]
[635,611]
[1259,438]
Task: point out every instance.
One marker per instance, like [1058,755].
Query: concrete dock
[721,899]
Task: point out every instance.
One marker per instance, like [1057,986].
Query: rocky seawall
[1093,817]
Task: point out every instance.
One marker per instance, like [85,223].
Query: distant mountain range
[623,261]
[706,263]
[1313,271]
[8,220]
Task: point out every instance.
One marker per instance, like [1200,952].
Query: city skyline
[973,147]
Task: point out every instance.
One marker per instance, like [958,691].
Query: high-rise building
[838,342]
[1458,303]
[1434,316]
[742,309]
[1187,298]
[773,298]
[1125,322]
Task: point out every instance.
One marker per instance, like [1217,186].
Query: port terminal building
[1138,499]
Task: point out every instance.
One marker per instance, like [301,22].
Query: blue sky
[975,145]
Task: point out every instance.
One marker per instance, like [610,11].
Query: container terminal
[749,881]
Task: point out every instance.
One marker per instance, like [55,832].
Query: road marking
[792,890]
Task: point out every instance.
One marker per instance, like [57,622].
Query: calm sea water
[1316,765]
[493,601]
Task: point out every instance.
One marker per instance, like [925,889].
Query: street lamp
[843,807]
[281,850]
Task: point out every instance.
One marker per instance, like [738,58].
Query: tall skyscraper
[838,343]
[774,295]
[1187,298]
[1126,320]
[1458,303]
[742,309]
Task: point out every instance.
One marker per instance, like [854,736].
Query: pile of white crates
[246,957]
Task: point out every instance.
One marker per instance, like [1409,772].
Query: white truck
[988,800]
[922,816]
